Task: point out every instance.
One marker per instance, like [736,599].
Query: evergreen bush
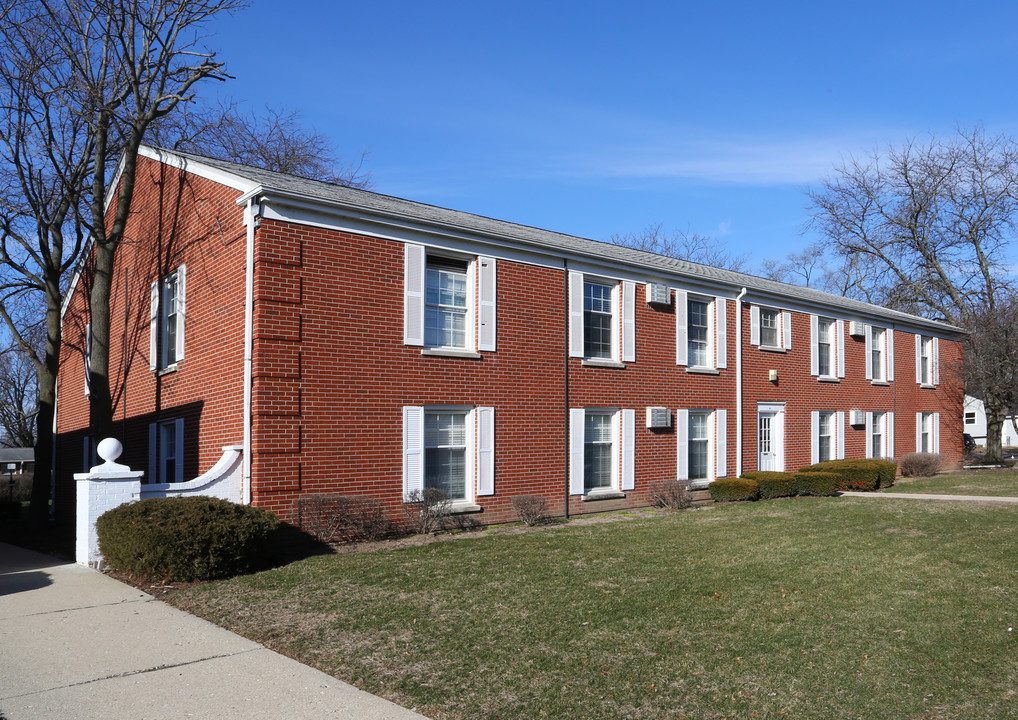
[733,489]
[773,484]
[817,483]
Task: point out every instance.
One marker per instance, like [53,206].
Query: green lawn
[973,482]
[806,608]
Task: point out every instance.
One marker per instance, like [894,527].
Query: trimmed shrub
[862,475]
[773,484]
[817,483]
[186,538]
[426,511]
[342,518]
[733,489]
[920,464]
[672,494]
[530,509]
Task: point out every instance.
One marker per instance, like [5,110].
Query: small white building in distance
[975,424]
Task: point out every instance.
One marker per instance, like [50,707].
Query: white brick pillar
[102,488]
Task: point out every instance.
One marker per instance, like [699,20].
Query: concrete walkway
[931,496]
[75,644]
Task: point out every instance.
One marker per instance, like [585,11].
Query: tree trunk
[994,424]
[47,371]
[101,398]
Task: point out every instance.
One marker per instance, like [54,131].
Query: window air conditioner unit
[659,417]
[659,294]
[856,329]
[858,417]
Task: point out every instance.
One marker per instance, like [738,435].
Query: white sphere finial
[110,449]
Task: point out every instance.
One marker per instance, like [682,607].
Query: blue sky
[596,118]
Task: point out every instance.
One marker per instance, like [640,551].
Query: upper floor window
[970,418]
[927,370]
[602,319]
[168,312]
[701,331]
[827,348]
[446,307]
[598,320]
[879,354]
[770,328]
[448,301]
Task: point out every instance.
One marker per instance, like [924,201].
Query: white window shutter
[814,346]
[485,451]
[936,432]
[682,443]
[153,329]
[786,335]
[754,325]
[413,294]
[486,293]
[869,434]
[181,312]
[936,361]
[814,435]
[889,430]
[577,417]
[628,321]
[721,332]
[413,450]
[88,358]
[918,358]
[681,328]
[839,326]
[178,431]
[869,354]
[628,449]
[153,453]
[840,453]
[721,442]
[889,336]
[576,315]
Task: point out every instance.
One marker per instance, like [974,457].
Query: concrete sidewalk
[931,496]
[75,644]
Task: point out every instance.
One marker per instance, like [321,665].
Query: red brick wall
[176,219]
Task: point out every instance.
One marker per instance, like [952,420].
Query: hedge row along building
[361,344]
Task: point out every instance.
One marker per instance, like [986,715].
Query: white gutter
[252,213]
[738,382]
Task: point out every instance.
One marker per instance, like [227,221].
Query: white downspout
[252,214]
[738,382]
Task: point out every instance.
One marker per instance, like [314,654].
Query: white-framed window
[602,319]
[970,418]
[927,432]
[770,328]
[449,300]
[880,434]
[701,333]
[825,436]
[879,354]
[602,446]
[449,448]
[167,320]
[828,435]
[166,451]
[827,348]
[927,360]
[701,437]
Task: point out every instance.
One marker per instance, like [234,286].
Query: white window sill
[463,506]
[702,370]
[773,349]
[606,494]
[451,352]
[828,379]
[880,383]
[599,362]
[699,484]
[927,386]
[167,370]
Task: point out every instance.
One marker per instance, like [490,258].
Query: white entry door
[770,439]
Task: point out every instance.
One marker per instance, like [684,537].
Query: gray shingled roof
[548,241]
[13,455]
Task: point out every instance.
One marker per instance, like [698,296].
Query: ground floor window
[824,435]
[880,435]
[445,454]
[166,451]
[598,446]
[602,447]
[701,440]
[699,446]
[927,431]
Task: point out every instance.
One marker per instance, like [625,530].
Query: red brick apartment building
[366,345]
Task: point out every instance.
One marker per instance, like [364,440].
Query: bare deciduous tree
[694,247]
[82,82]
[928,226]
[19,396]
[275,140]
[991,364]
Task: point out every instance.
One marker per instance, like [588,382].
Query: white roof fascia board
[196,167]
